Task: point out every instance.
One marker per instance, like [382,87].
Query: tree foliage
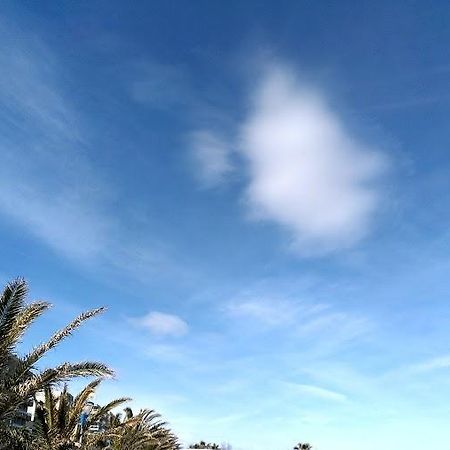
[57,417]
[303,446]
[203,444]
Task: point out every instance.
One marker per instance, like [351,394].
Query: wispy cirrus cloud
[267,311]
[431,365]
[167,87]
[30,90]
[45,183]
[160,86]
[301,319]
[346,326]
[316,391]
[48,185]
[211,157]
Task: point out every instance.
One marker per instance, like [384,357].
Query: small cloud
[227,419]
[307,173]
[271,312]
[71,209]
[440,362]
[162,324]
[345,326]
[159,85]
[316,391]
[211,156]
[170,354]
[320,326]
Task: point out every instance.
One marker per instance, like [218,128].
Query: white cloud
[315,330]
[211,156]
[440,362]
[269,311]
[163,324]
[31,99]
[301,319]
[307,172]
[48,185]
[159,85]
[316,391]
[61,223]
[345,326]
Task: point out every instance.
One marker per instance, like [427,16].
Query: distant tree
[304,446]
[203,444]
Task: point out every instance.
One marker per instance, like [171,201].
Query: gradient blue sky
[258,191]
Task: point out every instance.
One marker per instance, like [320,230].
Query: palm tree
[144,432]
[20,379]
[57,421]
[304,446]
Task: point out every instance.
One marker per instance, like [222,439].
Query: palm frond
[108,407]
[15,438]
[63,409]
[128,413]
[11,304]
[49,403]
[41,429]
[40,350]
[80,400]
[23,320]
[61,373]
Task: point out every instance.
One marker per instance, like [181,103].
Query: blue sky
[260,194]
